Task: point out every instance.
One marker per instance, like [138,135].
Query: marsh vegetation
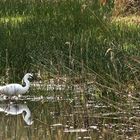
[88,63]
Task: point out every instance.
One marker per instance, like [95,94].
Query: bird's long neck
[25,83]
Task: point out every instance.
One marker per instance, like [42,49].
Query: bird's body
[17,89]
[12,89]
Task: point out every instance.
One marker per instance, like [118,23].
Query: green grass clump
[66,37]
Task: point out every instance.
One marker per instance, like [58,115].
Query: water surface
[68,116]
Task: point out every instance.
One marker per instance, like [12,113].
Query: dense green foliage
[66,37]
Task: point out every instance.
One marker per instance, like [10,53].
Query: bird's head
[29,76]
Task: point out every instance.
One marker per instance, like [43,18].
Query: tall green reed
[65,37]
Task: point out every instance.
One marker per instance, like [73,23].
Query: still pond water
[69,116]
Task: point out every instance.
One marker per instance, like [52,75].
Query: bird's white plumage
[17,89]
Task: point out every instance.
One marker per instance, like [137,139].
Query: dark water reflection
[60,118]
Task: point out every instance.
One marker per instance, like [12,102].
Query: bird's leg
[15,97]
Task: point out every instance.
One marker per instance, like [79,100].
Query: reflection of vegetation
[63,118]
[67,37]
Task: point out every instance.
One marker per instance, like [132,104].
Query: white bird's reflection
[16,109]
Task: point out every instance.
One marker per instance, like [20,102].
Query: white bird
[16,109]
[17,89]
